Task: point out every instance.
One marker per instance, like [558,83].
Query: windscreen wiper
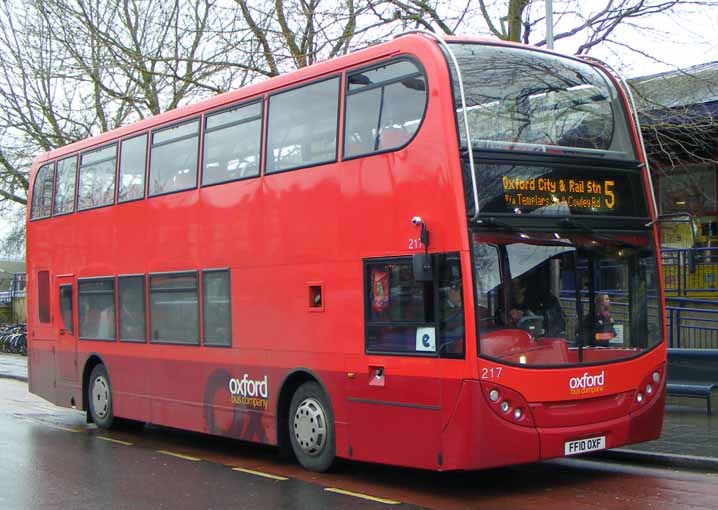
[576,224]
[571,223]
[493,222]
[586,229]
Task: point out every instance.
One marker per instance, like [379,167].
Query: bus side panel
[127,366]
[210,396]
[41,368]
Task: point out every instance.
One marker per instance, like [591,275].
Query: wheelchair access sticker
[425,340]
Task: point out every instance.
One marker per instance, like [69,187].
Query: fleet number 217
[491,373]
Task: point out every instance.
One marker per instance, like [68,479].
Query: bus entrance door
[395,410]
[66,353]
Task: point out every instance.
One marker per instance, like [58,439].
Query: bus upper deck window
[384,107]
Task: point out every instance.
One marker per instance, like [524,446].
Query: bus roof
[288,79]
[399,44]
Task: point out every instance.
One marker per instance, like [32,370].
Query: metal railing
[681,281]
[691,297]
[692,323]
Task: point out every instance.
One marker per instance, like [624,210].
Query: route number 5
[610,197]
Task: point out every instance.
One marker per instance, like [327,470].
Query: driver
[518,308]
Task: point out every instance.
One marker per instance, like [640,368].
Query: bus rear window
[42,192]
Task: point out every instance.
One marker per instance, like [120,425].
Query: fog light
[649,390]
[518,413]
[656,377]
[505,406]
[494,395]
[639,398]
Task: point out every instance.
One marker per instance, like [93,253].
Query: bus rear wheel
[99,397]
[311,428]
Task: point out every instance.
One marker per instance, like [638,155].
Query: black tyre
[311,428]
[99,397]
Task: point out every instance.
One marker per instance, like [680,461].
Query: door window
[409,317]
[66,308]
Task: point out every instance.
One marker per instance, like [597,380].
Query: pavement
[689,438]
[13,366]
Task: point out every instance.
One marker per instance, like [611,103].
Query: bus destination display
[576,193]
[560,191]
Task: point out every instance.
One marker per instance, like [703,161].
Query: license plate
[590,444]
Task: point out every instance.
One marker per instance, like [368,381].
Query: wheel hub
[310,426]
[100,397]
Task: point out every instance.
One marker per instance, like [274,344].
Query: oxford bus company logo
[250,393]
[586,384]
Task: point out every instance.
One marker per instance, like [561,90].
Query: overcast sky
[685,37]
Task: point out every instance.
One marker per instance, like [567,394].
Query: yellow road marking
[60,427]
[52,425]
[105,438]
[173,454]
[362,496]
[259,473]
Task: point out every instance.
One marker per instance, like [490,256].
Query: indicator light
[494,395]
[639,397]
[518,413]
[505,406]
[656,377]
[649,389]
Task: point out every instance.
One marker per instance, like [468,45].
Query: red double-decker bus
[428,253]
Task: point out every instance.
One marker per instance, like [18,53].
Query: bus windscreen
[566,298]
[531,101]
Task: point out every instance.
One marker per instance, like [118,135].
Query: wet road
[50,458]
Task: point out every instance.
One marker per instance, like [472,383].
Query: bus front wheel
[100,397]
[311,428]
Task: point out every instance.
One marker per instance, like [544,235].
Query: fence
[681,281]
[691,297]
[692,323]
[12,301]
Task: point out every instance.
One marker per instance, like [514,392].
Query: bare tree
[679,120]
[75,68]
